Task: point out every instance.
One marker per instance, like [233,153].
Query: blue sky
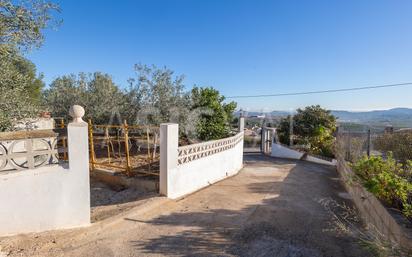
[244,47]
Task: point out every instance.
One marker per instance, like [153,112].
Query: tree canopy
[156,95]
[214,115]
[312,127]
[22,22]
[21,25]
[18,89]
[95,91]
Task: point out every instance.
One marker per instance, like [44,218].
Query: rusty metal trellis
[122,148]
[130,149]
[62,139]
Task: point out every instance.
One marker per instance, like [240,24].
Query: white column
[241,124]
[268,131]
[169,143]
[275,138]
[263,138]
[78,150]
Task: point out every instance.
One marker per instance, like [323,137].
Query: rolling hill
[396,117]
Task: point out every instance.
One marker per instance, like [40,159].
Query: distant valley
[397,117]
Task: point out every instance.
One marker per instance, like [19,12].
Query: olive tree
[21,25]
[22,22]
[97,92]
[156,95]
[16,99]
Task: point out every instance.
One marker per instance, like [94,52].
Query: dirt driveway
[272,208]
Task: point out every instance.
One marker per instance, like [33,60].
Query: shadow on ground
[107,201]
[291,218]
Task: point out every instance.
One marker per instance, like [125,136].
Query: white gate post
[78,150]
[241,124]
[263,140]
[169,143]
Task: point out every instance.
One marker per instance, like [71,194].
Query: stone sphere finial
[77,113]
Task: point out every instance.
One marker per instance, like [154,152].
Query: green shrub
[400,144]
[312,127]
[388,180]
[251,141]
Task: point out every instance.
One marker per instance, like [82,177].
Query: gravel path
[272,208]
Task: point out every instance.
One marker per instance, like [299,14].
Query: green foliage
[22,22]
[400,144]
[17,101]
[103,98]
[357,144]
[62,93]
[388,180]
[34,83]
[215,115]
[312,127]
[251,122]
[349,147]
[156,96]
[96,92]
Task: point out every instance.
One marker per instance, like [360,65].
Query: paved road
[272,208]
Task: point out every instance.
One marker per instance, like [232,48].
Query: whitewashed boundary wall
[186,169]
[52,196]
[282,151]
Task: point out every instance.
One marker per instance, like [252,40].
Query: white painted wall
[320,161]
[50,197]
[281,151]
[179,180]
[192,176]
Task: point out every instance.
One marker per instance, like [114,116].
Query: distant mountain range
[397,117]
[373,115]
